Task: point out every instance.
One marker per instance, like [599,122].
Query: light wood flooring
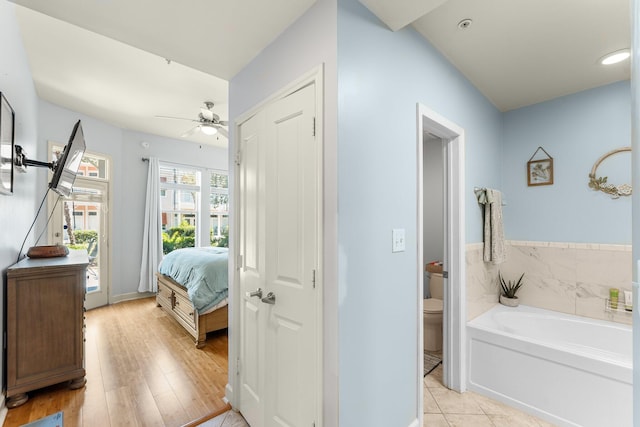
[143,369]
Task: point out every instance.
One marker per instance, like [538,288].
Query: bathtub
[568,370]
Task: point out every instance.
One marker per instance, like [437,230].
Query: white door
[81,221]
[252,269]
[279,183]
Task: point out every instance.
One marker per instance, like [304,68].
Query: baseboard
[532,410]
[130,296]
[3,410]
[228,394]
[415,423]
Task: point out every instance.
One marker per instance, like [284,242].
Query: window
[92,165]
[184,200]
[219,209]
[179,202]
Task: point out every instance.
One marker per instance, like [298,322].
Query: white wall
[129,180]
[432,205]
[433,209]
[17,211]
[635,226]
[310,42]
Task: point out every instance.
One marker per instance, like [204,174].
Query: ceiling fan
[208,122]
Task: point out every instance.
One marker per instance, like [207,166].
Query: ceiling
[126,62]
[521,52]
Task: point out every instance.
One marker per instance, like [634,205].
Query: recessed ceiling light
[615,57]
[465,23]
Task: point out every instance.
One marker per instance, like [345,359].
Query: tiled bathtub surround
[571,278]
[482,288]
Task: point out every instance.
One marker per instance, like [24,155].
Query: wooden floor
[143,369]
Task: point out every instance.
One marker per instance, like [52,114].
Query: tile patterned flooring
[442,408]
[228,419]
[446,408]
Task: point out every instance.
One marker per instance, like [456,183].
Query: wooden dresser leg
[77,383]
[16,400]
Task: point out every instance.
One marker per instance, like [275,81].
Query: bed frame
[173,299]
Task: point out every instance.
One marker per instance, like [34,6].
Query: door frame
[106,258]
[315,77]
[454,312]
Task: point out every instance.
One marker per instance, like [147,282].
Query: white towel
[494,250]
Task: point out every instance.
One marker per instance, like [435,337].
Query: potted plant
[508,291]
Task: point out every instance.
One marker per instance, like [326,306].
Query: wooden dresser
[45,324]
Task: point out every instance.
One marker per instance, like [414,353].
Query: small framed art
[7,121]
[540,172]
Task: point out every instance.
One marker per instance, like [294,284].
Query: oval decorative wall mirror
[600,183]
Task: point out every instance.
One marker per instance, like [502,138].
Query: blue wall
[128,182]
[381,77]
[575,130]
[17,211]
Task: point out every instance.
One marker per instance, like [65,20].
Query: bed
[193,289]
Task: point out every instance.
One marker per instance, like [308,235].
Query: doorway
[278,282]
[450,137]
[81,221]
[434,240]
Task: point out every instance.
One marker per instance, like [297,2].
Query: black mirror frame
[7,149]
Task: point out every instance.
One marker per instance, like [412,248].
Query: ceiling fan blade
[223,132]
[223,123]
[191,131]
[174,118]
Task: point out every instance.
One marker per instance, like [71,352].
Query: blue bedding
[203,271]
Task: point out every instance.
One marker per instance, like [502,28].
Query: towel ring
[600,183]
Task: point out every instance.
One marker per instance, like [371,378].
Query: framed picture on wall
[540,172]
[7,121]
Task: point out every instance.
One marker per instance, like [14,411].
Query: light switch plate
[397,237]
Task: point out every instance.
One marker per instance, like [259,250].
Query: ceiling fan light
[615,57]
[208,129]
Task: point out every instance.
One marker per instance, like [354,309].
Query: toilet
[432,314]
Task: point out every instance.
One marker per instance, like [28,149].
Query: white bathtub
[568,370]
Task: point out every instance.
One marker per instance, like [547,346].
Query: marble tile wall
[571,278]
[482,289]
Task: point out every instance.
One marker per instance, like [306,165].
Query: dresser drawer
[183,308]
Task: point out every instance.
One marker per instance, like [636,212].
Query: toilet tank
[435,286]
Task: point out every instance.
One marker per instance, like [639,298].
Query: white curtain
[152,237]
